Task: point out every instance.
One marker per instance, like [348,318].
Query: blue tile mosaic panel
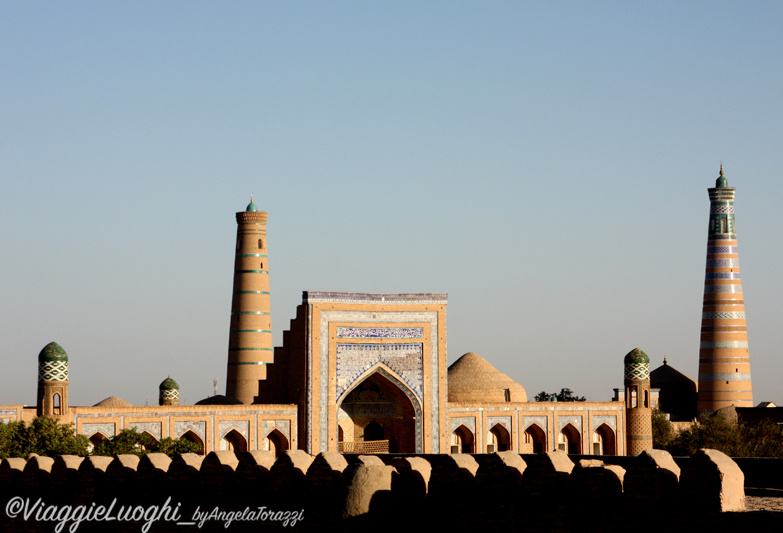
[182,427]
[540,421]
[504,421]
[153,428]
[563,421]
[354,360]
[467,421]
[242,427]
[107,430]
[610,421]
[380,333]
[283,426]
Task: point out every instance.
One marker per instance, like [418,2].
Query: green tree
[662,430]
[10,443]
[44,436]
[130,441]
[764,439]
[172,447]
[565,395]
[711,431]
[127,441]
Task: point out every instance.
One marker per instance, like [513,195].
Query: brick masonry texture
[491,492]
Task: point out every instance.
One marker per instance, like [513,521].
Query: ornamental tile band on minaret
[250,334]
[724,360]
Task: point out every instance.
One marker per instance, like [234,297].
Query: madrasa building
[357,373]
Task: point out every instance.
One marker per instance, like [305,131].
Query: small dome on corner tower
[169,384]
[636,356]
[52,352]
[251,206]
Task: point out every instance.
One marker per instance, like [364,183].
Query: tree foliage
[44,436]
[662,430]
[127,441]
[172,447]
[713,431]
[565,395]
[130,441]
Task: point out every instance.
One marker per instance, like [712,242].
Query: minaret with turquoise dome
[168,392]
[638,407]
[250,332]
[52,381]
[724,359]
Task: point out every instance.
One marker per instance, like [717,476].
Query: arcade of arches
[534,440]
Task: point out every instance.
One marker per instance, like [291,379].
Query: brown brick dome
[473,379]
[113,401]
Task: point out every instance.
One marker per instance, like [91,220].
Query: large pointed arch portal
[350,335]
[382,408]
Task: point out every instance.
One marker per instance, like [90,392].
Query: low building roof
[113,401]
[219,400]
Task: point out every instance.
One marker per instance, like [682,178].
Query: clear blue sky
[545,163]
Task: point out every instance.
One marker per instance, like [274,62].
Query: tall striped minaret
[250,334]
[724,360]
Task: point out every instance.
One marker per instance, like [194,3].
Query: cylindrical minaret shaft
[250,334]
[638,410]
[724,359]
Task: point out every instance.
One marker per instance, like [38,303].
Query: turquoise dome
[721,181]
[52,352]
[636,356]
[251,206]
[169,384]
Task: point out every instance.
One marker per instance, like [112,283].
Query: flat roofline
[365,297]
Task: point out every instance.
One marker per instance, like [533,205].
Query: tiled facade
[394,345]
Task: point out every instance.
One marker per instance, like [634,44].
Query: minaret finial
[721,170]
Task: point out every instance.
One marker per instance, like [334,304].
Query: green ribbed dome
[636,356]
[53,352]
[169,384]
[721,181]
[251,206]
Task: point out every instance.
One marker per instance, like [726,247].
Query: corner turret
[52,397]
[638,410]
[168,392]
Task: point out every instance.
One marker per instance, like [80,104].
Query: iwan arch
[357,373]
